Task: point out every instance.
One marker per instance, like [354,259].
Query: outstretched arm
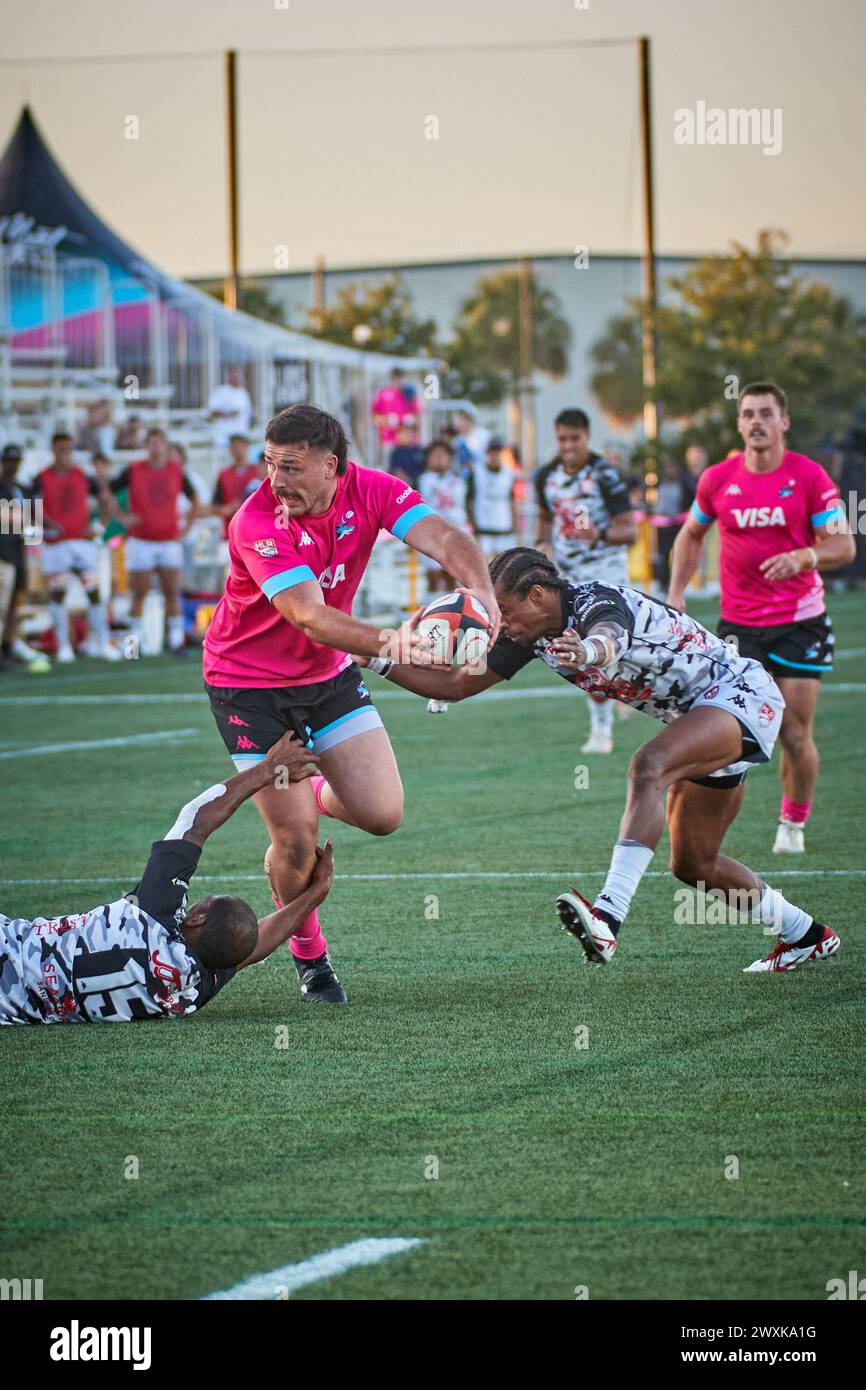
[458,554]
[279,926]
[288,760]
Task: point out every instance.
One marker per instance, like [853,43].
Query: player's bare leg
[292,818]
[139,584]
[701,742]
[698,820]
[362,783]
[799,762]
[169,582]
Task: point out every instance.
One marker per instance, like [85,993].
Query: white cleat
[579,920]
[437,706]
[598,743]
[65,654]
[23,652]
[790,838]
[785,956]
[109,652]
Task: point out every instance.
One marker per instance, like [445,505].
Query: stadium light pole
[527,406]
[648,275]
[231,284]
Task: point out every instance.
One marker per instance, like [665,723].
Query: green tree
[254,298]
[732,319]
[384,314]
[484,353]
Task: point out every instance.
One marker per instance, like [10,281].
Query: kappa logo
[758,516]
[266,548]
[734,490]
[236,719]
[306,539]
[244,744]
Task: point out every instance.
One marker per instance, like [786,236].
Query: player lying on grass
[722,714]
[148,955]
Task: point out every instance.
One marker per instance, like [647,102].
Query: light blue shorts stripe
[357,721]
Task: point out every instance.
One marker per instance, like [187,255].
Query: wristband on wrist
[598,651]
[810,550]
[380,664]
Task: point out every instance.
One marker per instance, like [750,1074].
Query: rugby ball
[457,627]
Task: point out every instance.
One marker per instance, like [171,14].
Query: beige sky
[536,152]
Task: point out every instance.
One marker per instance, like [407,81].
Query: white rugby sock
[175,633]
[60,623]
[773,910]
[98,623]
[629,862]
[601,717]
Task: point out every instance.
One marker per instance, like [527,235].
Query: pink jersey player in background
[276,654]
[781,524]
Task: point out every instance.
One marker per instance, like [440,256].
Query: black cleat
[319,983]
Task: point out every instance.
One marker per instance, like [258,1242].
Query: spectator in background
[96,435]
[636,492]
[154,486]
[391,409]
[68,549]
[491,501]
[13,566]
[695,461]
[229,407]
[131,434]
[471,440]
[670,511]
[235,480]
[407,457]
[445,491]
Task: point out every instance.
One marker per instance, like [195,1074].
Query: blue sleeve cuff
[701,516]
[405,522]
[287,580]
[821,518]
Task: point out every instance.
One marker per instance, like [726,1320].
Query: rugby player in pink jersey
[276,653]
[781,525]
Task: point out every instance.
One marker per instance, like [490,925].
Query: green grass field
[601,1166]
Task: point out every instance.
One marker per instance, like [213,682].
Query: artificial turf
[559,1166]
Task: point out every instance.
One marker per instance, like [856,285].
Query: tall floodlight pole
[231,284]
[648,276]
[527,400]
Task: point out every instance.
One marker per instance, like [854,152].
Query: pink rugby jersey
[248,642]
[759,515]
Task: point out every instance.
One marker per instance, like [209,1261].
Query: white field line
[100,743]
[532,692]
[429,874]
[279,1282]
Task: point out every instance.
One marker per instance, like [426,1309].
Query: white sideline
[324,1266]
[530,692]
[437,874]
[99,743]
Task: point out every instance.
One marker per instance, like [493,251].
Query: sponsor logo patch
[266,548]
[767,715]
